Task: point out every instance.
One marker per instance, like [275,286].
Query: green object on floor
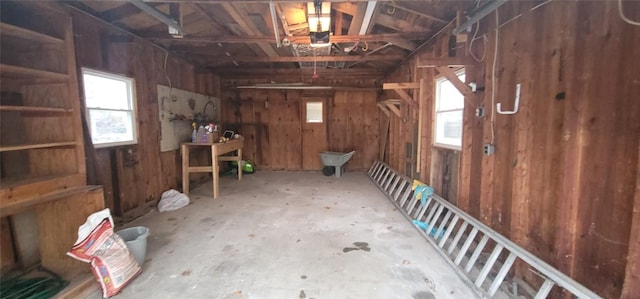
[32,288]
[247,166]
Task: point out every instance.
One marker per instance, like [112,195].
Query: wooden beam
[428,16]
[224,59]
[215,26]
[118,13]
[397,24]
[410,85]
[403,43]
[356,21]
[384,109]
[349,8]
[631,287]
[297,39]
[405,97]
[251,1]
[457,61]
[243,20]
[453,78]
[240,72]
[421,102]
[394,109]
[337,30]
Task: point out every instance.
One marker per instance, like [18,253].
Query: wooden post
[631,287]
[421,101]
[185,169]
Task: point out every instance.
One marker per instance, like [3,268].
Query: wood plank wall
[135,176]
[565,173]
[271,122]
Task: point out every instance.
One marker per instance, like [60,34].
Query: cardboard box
[208,138]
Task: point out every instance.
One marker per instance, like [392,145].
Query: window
[449,108]
[110,108]
[314,112]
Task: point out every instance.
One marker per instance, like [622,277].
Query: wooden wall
[565,173]
[135,176]
[272,123]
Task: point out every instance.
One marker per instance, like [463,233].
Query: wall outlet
[489,149]
[480,112]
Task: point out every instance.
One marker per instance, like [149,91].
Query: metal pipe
[478,14]
[158,15]
[372,51]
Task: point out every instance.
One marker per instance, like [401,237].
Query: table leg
[185,169]
[240,164]
[214,170]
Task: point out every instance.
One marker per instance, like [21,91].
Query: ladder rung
[456,239]
[443,223]
[448,230]
[466,245]
[476,253]
[544,290]
[487,267]
[502,273]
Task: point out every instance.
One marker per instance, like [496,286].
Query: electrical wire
[493,80]
[621,11]
[473,39]
[166,56]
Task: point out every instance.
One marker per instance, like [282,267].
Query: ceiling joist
[340,58]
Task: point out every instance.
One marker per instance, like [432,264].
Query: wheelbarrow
[336,160]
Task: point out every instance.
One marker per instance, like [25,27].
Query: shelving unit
[42,161]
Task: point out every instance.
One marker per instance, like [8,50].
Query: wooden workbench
[217,150]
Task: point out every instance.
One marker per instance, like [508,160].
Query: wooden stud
[453,78]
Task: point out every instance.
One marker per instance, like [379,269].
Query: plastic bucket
[136,240]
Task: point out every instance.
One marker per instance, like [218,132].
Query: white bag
[172,200]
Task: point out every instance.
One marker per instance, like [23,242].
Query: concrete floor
[290,235]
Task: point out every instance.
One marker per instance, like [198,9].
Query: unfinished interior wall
[135,176]
[272,122]
[564,175]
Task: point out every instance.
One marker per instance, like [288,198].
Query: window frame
[436,112]
[131,88]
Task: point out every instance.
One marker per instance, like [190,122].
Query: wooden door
[314,132]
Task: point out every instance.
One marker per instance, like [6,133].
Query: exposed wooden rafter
[305,58]
[385,37]
[243,20]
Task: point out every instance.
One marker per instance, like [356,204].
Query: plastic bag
[172,200]
[111,262]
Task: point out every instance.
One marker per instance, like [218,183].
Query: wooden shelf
[36,146]
[15,31]
[35,110]
[13,208]
[33,76]
[25,188]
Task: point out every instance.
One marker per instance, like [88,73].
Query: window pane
[111,126]
[448,95]
[314,112]
[449,128]
[103,92]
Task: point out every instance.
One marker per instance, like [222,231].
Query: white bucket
[136,240]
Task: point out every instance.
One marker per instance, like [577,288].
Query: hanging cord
[621,11]
[493,80]
[166,56]
[366,47]
[473,39]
